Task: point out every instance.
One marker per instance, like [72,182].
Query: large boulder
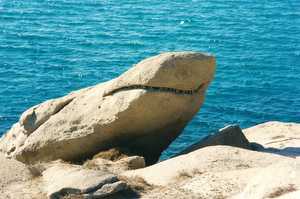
[143,110]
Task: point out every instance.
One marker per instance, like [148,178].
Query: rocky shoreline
[104,142]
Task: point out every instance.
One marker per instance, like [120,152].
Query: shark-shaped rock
[143,110]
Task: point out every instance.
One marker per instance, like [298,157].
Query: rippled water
[49,48]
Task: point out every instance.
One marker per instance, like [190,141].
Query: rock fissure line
[292,138]
[156,89]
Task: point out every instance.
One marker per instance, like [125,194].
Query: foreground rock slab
[64,179]
[147,106]
[230,172]
[221,172]
[208,159]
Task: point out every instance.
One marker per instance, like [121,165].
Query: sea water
[51,47]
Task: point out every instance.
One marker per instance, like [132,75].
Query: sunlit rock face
[144,110]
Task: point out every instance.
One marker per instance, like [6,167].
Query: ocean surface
[49,48]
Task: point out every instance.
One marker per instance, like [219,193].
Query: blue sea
[51,47]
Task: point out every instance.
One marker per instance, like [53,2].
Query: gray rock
[143,110]
[230,135]
[62,179]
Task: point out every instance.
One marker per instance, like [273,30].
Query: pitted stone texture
[79,125]
[279,179]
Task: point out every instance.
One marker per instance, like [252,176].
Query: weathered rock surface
[16,181]
[276,137]
[12,171]
[147,106]
[219,184]
[230,135]
[273,181]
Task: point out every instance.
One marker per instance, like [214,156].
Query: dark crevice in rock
[30,120]
[63,105]
[156,89]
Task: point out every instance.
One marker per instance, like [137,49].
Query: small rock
[133,162]
[113,154]
[124,164]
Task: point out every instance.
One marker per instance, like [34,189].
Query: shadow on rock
[287,151]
